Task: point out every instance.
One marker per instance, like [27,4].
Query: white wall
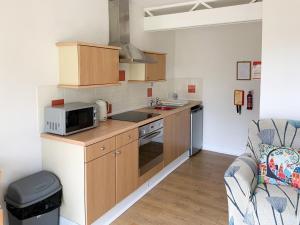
[210,54]
[29,68]
[28,58]
[281,56]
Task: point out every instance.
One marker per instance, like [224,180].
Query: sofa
[255,203]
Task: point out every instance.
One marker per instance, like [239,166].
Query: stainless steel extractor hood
[119,33]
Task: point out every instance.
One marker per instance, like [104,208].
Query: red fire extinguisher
[250,100]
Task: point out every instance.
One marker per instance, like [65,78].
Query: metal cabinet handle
[118,152]
[129,136]
[102,148]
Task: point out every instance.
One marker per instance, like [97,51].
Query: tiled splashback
[127,96]
[180,86]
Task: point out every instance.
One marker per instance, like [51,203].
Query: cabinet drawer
[101,148]
[127,137]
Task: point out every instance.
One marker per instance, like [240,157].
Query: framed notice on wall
[256,70]
[243,70]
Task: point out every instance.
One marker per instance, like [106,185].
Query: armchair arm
[240,182]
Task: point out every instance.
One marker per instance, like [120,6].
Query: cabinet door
[127,170]
[161,67]
[156,71]
[170,139]
[100,186]
[1,217]
[110,73]
[98,65]
[183,121]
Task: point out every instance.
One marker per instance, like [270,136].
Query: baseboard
[121,207]
[222,151]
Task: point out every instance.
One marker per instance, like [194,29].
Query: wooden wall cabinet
[83,64]
[176,135]
[149,72]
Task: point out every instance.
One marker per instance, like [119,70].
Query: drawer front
[127,137]
[99,149]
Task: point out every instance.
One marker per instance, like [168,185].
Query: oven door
[150,150]
[80,119]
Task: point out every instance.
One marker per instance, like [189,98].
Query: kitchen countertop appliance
[151,146]
[103,108]
[196,129]
[133,116]
[70,118]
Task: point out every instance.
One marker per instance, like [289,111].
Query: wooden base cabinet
[183,121]
[170,139]
[127,170]
[100,186]
[176,135]
[94,178]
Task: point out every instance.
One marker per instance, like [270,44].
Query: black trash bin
[34,200]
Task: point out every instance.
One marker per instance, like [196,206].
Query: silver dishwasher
[196,129]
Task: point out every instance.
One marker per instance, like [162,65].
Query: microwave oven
[70,118]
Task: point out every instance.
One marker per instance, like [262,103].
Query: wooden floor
[194,194]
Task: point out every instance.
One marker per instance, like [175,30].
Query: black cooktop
[133,116]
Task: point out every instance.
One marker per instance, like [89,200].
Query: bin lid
[32,189]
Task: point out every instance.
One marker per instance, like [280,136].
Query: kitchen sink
[164,107]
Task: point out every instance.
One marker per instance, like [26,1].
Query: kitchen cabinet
[99,149]
[183,131]
[170,139]
[177,135]
[98,174]
[149,72]
[126,170]
[100,186]
[83,64]
[126,137]
[95,177]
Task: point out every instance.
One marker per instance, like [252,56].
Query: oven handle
[152,135]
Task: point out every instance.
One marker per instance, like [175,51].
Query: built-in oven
[151,148]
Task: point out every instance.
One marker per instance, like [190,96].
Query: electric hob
[133,116]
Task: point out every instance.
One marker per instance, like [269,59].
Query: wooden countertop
[112,128]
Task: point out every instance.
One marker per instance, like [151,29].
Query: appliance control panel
[148,128]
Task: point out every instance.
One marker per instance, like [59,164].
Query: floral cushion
[279,165]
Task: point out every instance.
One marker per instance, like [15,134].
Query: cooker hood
[119,34]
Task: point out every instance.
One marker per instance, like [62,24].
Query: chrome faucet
[151,102]
[157,101]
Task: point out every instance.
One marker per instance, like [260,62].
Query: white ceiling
[150,3]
